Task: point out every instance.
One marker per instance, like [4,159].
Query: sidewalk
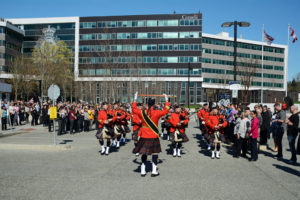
[31,138]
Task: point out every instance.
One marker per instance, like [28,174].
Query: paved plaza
[80,172]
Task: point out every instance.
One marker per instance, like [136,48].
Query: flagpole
[262,66]
[286,66]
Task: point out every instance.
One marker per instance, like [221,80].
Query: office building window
[167,35]
[183,92]
[168,22]
[198,92]
[151,23]
[168,59]
[88,25]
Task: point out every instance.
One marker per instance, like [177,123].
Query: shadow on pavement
[66,141]
[148,164]
[287,169]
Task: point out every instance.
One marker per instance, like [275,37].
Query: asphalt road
[82,173]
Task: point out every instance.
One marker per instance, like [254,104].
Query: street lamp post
[235,24]
[188,96]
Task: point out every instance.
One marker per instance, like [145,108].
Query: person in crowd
[11,110]
[72,118]
[281,118]
[292,131]
[22,113]
[38,110]
[62,117]
[27,113]
[266,121]
[86,120]
[254,135]
[244,128]
[80,116]
[33,115]
[45,118]
[3,115]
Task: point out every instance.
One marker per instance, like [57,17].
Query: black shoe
[279,157]
[143,175]
[244,156]
[154,175]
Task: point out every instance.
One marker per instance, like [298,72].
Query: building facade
[11,40]
[119,55]
[115,56]
[266,67]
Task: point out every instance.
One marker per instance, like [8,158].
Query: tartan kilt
[135,135]
[127,129]
[216,137]
[183,135]
[147,146]
[99,134]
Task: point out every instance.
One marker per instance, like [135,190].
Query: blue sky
[274,14]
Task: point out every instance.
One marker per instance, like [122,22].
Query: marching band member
[124,123]
[203,116]
[105,128]
[116,112]
[137,125]
[216,124]
[149,143]
[179,121]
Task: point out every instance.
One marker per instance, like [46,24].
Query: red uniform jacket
[175,119]
[137,122]
[102,116]
[203,114]
[145,131]
[212,121]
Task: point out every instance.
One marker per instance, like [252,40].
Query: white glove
[135,96]
[166,97]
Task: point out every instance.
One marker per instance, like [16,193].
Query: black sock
[144,159]
[154,159]
[213,147]
[174,145]
[218,147]
[179,145]
[101,142]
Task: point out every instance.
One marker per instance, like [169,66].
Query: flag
[293,35]
[268,38]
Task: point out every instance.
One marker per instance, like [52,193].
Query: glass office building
[114,56]
[11,39]
[151,54]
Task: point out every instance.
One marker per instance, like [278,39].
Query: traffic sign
[234,93]
[234,85]
[53,92]
[53,113]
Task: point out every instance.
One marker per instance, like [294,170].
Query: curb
[34,147]
[11,134]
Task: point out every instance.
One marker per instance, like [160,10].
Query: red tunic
[145,131]
[203,114]
[136,122]
[174,120]
[102,116]
[212,121]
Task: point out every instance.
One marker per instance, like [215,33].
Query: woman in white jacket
[241,132]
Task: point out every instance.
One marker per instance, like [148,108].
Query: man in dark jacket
[265,126]
[292,131]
